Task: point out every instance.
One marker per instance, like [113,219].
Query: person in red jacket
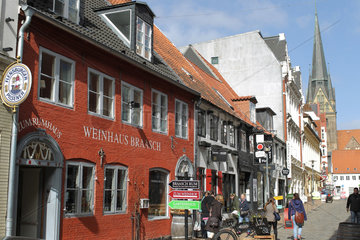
[296,205]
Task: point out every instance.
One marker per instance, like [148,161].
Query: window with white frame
[232,135]
[158,193]
[101,93]
[335,178]
[79,190]
[243,141]
[353,177]
[181,119]
[57,75]
[131,104]
[159,111]
[251,145]
[341,177]
[224,132]
[214,127]
[143,38]
[115,184]
[67,8]
[347,178]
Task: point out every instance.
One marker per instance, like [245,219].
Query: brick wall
[74,145]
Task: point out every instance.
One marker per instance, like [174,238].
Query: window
[214,132]
[79,191]
[341,177]
[336,169]
[120,21]
[232,135]
[115,183]
[347,177]
[201,123]
[223,132]
[359,177]
[214,60]
[158,192]
[131,104]
[353,177]
[335,178]
[67,8]
[143,39]
[355,169]
[181,119]
[348,169]
[101,93]
[243,141]
[159,111]
[57,75]
[251,144]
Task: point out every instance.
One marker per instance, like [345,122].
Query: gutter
[10,213]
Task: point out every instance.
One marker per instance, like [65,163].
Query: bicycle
[232,231]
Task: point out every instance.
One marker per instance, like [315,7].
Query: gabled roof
[94,30]
[196,78]
[345,136]
[277,45]
[346,161]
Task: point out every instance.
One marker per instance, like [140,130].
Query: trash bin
[178,227]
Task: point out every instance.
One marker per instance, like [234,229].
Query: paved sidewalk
[322,223]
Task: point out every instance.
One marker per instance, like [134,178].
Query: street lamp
[312,180]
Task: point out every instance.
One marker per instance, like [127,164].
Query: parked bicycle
[232,230]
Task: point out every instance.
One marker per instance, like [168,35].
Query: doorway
[39,185]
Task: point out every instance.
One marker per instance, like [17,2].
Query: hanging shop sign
[219,155]
[185,195]
[185,184]
[15,84]
[285,171]
[178,204]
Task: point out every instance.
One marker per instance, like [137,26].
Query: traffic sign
[285,171]
[260,154]
[185,194]
[185,184]
[260,147]
[177,204]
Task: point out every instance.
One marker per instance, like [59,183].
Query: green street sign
[178,204]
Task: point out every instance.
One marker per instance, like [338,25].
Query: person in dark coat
[214,222]
[353,202]
[296,205]
[205,210]
[244,207]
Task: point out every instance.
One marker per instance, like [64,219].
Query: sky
[191,21]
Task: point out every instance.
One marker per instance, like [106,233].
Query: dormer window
[133,24]
[143,39]
[120,23]
[67,9]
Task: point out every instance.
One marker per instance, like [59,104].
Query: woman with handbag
[244,209]
[272,214]
[297,214]
[213,224]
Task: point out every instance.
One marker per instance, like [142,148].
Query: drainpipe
[12,168]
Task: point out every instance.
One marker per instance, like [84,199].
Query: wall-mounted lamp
[102,155]
[134,104]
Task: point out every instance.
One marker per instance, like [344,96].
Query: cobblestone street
[322,222]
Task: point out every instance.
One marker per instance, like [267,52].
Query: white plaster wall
[347,186]
[8,30]
[250,67]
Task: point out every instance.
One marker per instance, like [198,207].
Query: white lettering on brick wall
[39,123]
[120,138]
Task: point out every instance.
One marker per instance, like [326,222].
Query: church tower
[320,89]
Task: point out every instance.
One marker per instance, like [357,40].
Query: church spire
[319,71]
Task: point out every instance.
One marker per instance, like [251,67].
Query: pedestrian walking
[215,216]
[270,208]
[235,207]
[244,209]
[205,211]
[353,202]
[297,214]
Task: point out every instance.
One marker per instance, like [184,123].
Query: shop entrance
[39,187]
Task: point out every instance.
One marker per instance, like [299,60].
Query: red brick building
[106,126]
